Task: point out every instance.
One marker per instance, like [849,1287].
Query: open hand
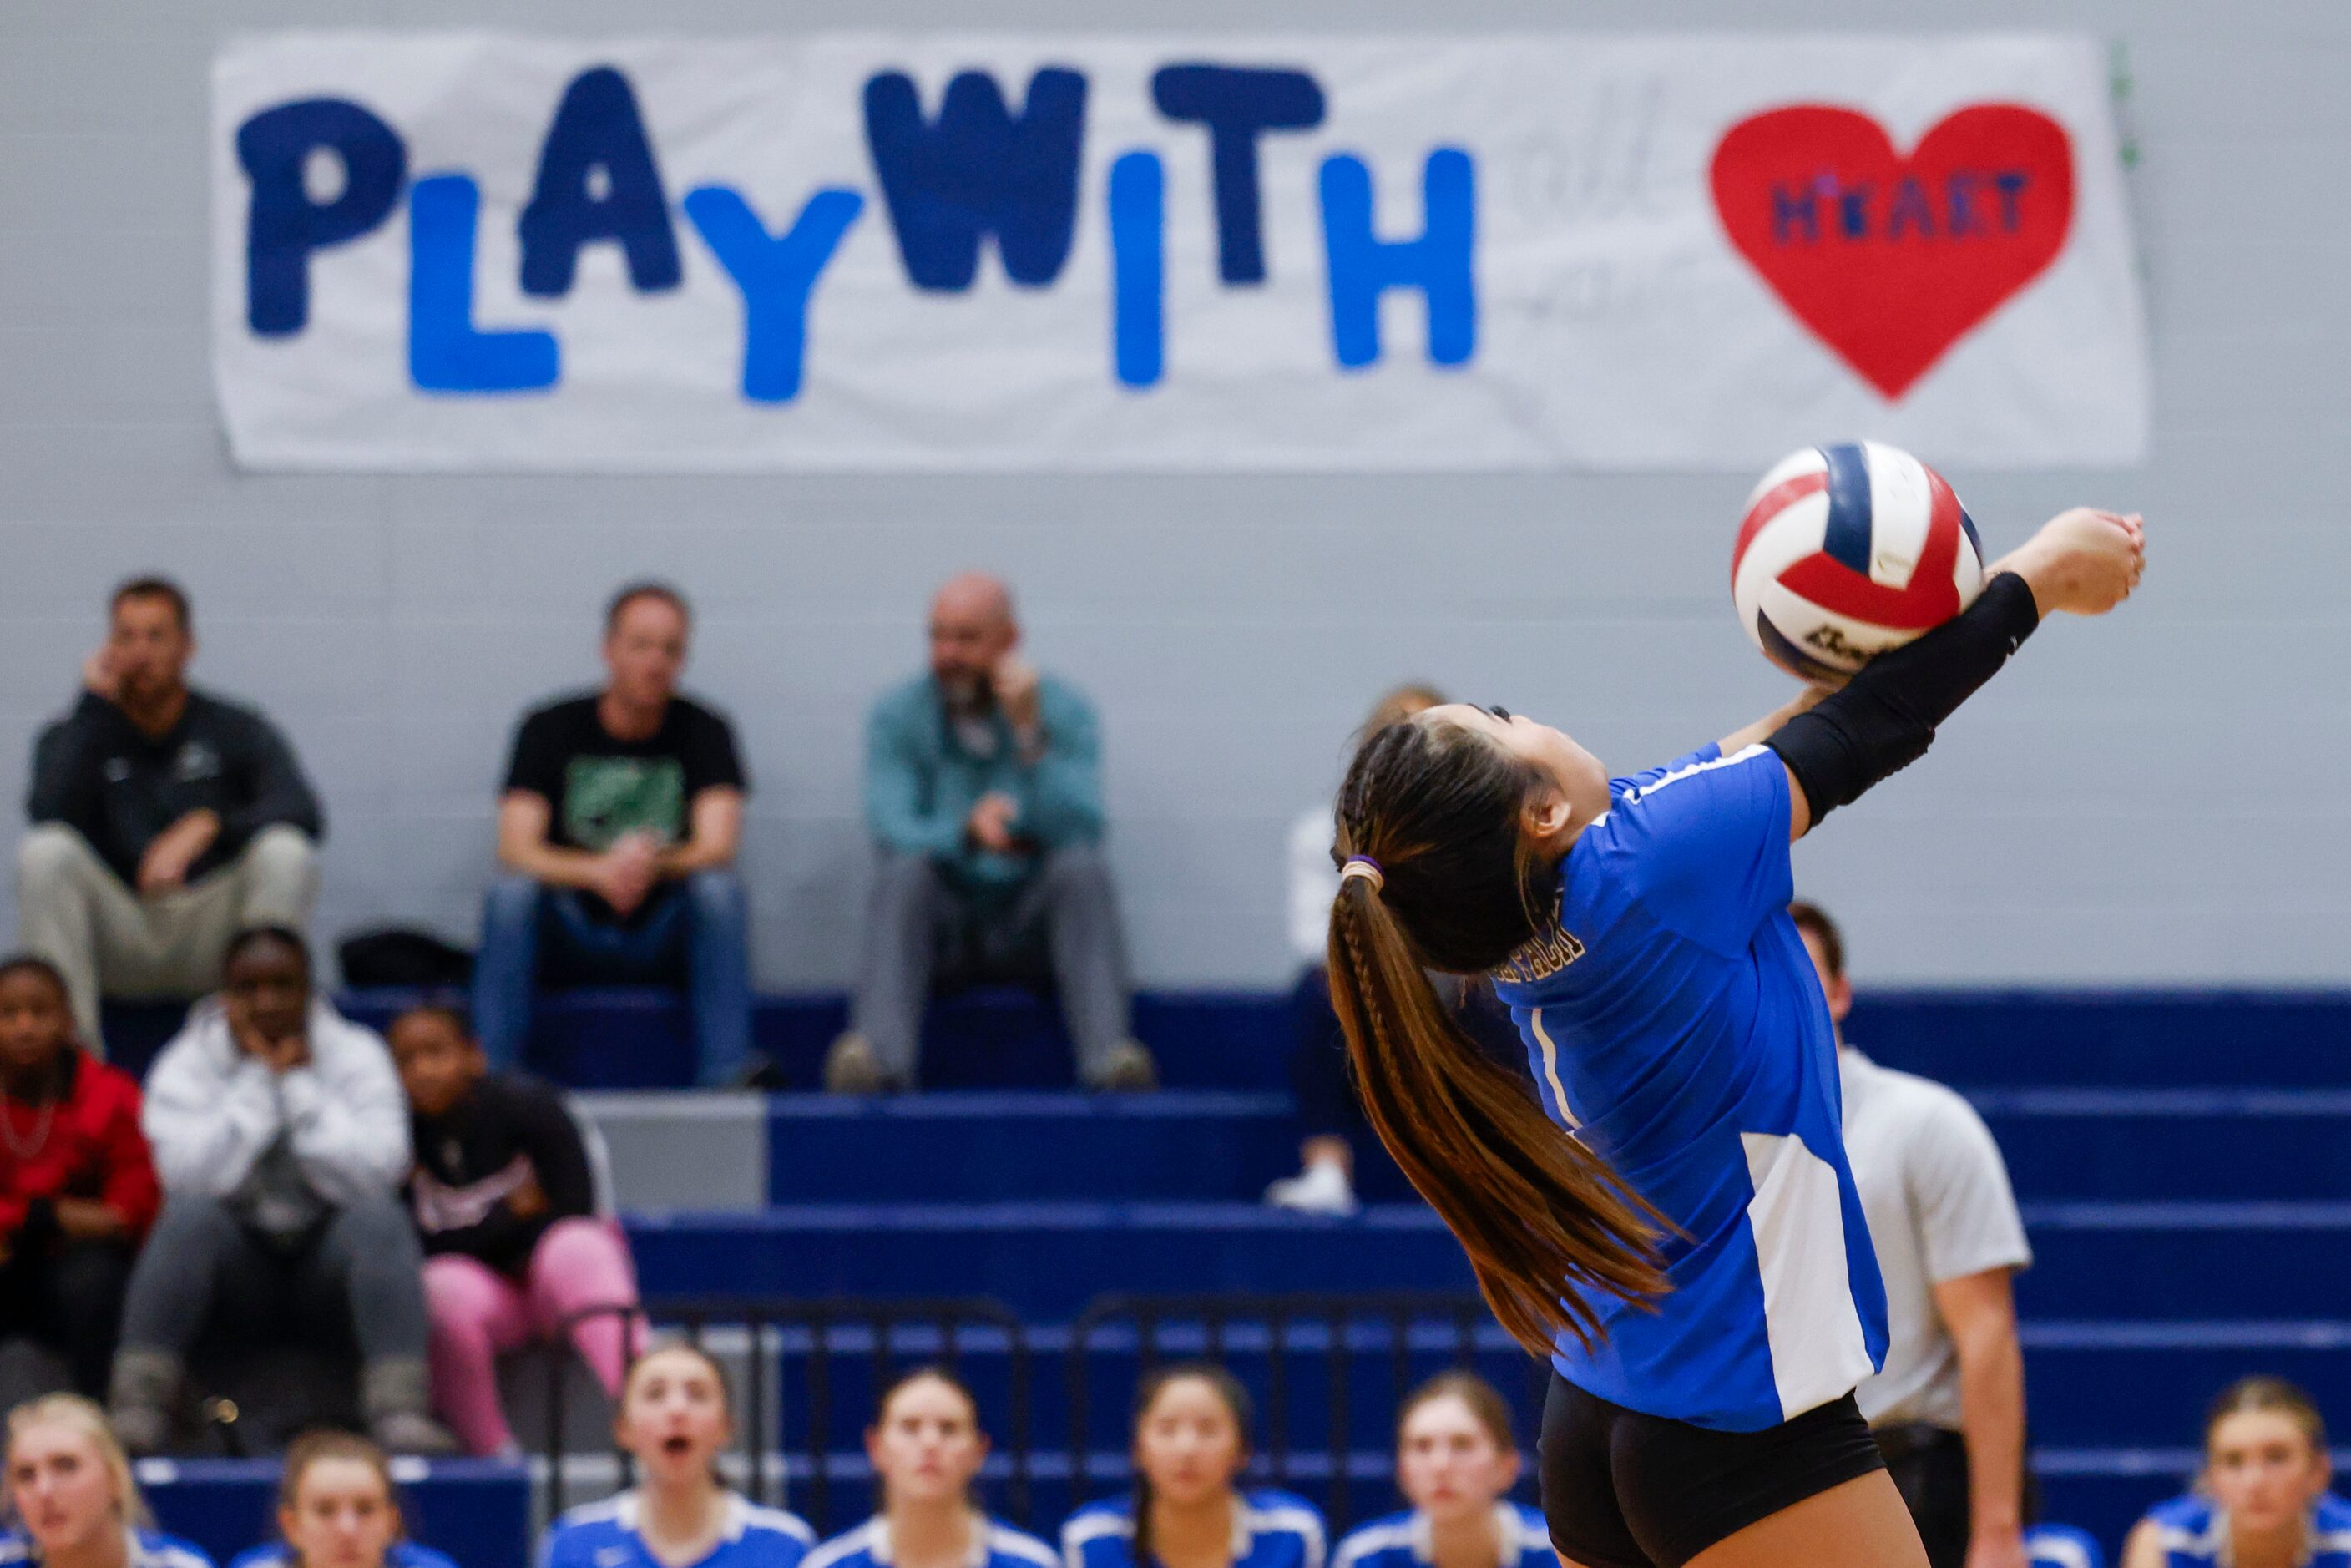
[99,675]
[1013,682]
[2081,560]
[164,867]
[277,1055]
[87,1220]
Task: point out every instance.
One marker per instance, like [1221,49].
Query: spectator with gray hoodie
[281,1134]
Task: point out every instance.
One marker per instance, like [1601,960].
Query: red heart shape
[1890,260]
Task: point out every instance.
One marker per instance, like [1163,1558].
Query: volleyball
[1847,551]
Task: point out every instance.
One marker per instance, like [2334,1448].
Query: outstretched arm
[2082,561]
[1764,729]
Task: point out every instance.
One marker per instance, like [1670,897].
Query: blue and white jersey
[1270,1530]
[2194,1533]
[996,1546]
[146,1549]
[1675,1024]
[404,1554]
[1402,1541]
[2061,1546]
[604,1535]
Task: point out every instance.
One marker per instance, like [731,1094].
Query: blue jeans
[694,931]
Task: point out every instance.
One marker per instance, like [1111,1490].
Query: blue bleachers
[1198,1145]
[1046,1261]
[1004,1038]
[2168,1264]
[2184,1162]
[2133,1040]
[2121,1144]
[998,1037]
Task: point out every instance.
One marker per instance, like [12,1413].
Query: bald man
[983,789]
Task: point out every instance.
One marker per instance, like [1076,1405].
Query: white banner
[992,251]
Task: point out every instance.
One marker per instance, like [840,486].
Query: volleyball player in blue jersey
[1191,1442]
[2260,1501]
[1457,1461]
[675,1417]
[72,1502]
[1691,1253]
[337,1509]
[926,1449]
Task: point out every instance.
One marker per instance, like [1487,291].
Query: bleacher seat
[993,1037]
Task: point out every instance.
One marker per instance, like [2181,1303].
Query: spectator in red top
[77,1186]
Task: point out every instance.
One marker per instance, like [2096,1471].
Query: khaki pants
[107,940]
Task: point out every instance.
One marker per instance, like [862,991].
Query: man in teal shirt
[983,789]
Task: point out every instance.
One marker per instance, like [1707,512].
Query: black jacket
[99,774]
[510,1131]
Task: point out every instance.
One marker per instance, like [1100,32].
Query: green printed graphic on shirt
[607,796]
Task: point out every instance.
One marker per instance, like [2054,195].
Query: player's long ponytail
[1437,809]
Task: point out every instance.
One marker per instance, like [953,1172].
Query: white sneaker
[1321,1188]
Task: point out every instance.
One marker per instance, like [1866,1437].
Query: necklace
[26,1149]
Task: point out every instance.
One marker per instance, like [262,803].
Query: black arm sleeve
[64,765]
[280,793]
[1885,716]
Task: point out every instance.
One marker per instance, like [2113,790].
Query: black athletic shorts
[1622,1489]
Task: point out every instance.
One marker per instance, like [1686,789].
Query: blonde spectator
[72,1502]
[2262,1498]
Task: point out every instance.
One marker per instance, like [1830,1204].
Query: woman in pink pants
[505,1204]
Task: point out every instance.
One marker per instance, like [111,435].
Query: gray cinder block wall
[2156,800]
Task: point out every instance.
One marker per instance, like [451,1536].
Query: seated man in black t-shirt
[619,825]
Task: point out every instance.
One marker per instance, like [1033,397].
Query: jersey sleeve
[1966,1213]
[712,760]
[1311,1541]
[172,1550]
[1704,847]
[1092,1538]
[1620,788]
[563,1546]
[535,765]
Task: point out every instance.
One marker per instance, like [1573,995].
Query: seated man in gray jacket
[281,1135]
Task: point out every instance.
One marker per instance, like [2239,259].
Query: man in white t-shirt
[1949,1407]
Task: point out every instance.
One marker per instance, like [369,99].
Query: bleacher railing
[805,1373]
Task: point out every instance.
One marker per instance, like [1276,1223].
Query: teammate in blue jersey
[72,1502]
[2261,1499]
[1456,1460]
[674,1420]
[1191,1442]
[1680,1231]
[337,1509]
[926,1449]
